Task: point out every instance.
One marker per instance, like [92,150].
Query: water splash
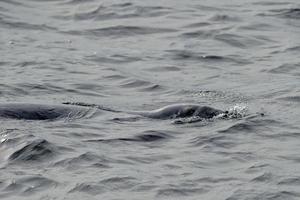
[237,111]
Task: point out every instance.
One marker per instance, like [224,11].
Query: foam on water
[237,111]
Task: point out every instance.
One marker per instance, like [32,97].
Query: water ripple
[120,11]
[147,136]
[214,141]
[28,185]
[194,56]
[75,2]
[176,192]
[250,126]
[259,194]
[119,31]
[238,40]
[142,55]
[84,160]
[26,25]
[288,68]
[35,151]
[290,181]
[88,187]
[292,13]
[295,98]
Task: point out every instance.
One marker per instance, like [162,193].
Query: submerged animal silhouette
[30,111]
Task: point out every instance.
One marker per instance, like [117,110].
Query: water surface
[140,55]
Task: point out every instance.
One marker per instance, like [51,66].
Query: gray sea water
[142,55]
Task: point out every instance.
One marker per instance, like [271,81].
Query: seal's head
[204,112]
[207,112]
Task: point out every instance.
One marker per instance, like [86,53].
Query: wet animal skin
[28,111]
[180,111]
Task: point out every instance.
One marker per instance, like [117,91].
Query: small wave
[77,1]
[292,181]
[119,31]
[239,127]
[25,88]
[7,140]
[252,125]
[143,86]
[176,192]
[261,194]
[223,18]
[91,188]
[116,11]
[88,86]
[105,185]
[121,120]
[259,26]
[84,160]
[151,136]
[13,2]
[152,88]
[27,63]
[134,84]
[265,177]
[270,3]
[147,136]
[216,179]
[204,57]
[164,69]
[238,40]
[199,34]
[214,140]
[35,151]
[25,25]
[114,59]
[292,69]
[290,13]
[293,49]
[29,185]
[49,88]
[115,77]
[295,99]
[120,182]
[188,55]
[197,25]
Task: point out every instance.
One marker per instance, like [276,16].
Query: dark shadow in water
[288,68]
[119,31]
[147,136]
[287,13]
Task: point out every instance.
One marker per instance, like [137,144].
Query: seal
[29,111]
[175,111]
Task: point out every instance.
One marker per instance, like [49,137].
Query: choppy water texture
[140,55]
